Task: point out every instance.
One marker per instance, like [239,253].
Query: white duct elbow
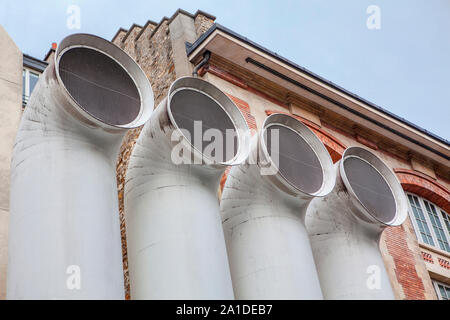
[263,206]
[346,225]
[175,240]
[64,236]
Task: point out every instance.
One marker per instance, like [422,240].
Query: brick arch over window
[334,146]
[420,184]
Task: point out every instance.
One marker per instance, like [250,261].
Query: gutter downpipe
[205,60]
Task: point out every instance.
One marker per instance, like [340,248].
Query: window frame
[426,214]
[446,220]
[436,285]
[26,84]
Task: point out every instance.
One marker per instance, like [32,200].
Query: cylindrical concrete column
[176,248]
[345,227]
[263,206]
[64,239]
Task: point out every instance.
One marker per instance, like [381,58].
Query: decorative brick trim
[405,263]
[334,146]
[245,109]
[444,263]
[251,122]
[422,185]
[427,257]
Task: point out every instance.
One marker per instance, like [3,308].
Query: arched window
[431,223]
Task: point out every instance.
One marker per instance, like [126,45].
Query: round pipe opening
[209,120]
[294,158]
[371,188]
[100,85]
[103,82]
[199,114]
[301,161]
[374,186]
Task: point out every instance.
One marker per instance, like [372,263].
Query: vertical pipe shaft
[345,234]
[64,240]
[263,216]
[175,240]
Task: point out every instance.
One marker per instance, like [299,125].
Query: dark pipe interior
[370,188]
[188,106]
[297,161]
[100,86]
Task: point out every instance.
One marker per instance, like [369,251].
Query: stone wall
[203,22]
[128,41]
[10,111]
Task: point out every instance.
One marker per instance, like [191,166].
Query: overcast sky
[404,66]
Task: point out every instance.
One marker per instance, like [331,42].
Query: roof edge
[192,47]
[153,23]
[134,25]
[117,33]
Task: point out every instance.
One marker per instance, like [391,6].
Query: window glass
[446,219]
[420,220]
[24,80]
[437,226]
[34,77]
[442,290]
[431,223]
[29,80]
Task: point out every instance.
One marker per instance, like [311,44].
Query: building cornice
[325,92]
[34,63]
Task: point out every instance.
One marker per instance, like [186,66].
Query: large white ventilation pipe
[176,247]
[263,212]
[346,225]
[64,238]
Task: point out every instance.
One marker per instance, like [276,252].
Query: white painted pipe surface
[263,218]
[345,230]
[175,241]
[64,238]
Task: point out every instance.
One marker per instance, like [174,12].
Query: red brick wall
[405,256]
[404,262]
[245,109]
[251,122]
